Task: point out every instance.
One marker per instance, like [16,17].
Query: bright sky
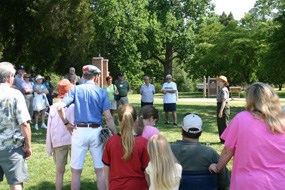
[237,7]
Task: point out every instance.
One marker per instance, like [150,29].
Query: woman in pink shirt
[146,121]
[256,140]
[58,138]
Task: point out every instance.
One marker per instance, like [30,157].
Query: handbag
[105,134]
[116,96]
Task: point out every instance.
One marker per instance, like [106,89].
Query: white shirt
[147,92]
[169,97]
[151,176]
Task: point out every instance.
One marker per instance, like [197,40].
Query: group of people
[118,94]
[138,156]
[37,91]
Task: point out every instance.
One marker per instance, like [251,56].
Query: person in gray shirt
[19,78]
[192,155]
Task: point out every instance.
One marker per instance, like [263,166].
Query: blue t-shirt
[89,102]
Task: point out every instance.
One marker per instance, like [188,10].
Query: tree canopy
[146,37]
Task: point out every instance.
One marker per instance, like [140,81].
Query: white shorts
[84,139]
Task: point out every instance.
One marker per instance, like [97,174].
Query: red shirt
[126,174]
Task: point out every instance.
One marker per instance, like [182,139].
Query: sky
[237,7]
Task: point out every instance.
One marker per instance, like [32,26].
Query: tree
[174,23]
[46,34]
[120,35]
[274,58]
[229,50]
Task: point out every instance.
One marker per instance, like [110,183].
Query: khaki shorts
[60,155]
[13,165]
[113,105]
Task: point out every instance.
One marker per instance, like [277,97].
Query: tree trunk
[168,59]
[280,87]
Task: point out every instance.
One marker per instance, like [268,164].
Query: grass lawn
[42,169]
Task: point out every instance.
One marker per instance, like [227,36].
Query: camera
[18,137]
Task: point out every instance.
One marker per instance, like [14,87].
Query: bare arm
[169,91]
[106,175]
[225,157]
[147,178]
[61,113]
[45,91]
[37,90]
[26,132]
[110,121]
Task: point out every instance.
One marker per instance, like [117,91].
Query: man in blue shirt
[90,101]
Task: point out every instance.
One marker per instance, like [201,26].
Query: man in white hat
[192,155]
[169,90]
[90,101]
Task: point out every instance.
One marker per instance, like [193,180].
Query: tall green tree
[120,35]
[229,50]
[172,29]
[47,34]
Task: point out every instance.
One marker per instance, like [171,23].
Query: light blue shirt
[147,93]
[89,102]
[18,80]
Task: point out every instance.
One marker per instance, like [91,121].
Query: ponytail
[147,112]
[127,117]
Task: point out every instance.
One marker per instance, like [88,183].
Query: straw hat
[224,79]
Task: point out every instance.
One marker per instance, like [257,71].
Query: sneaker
[36,127]
[166,123]
[175,124]
[43,126]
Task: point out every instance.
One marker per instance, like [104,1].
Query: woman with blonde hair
[256,139]
[125,156]
[163,170]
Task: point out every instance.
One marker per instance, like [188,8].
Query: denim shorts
[13,166]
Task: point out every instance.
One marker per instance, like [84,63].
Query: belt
[91,125]
[27,93]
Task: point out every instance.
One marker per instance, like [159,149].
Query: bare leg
[43,114]
[166,117]
[36,114]
[100,179]
[113,113]
[174,116]
[59,177]
[75,180]
[16,187]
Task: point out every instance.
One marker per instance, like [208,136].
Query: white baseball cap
[192,121]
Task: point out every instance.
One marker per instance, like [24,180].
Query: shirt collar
[89,82]
[5,85]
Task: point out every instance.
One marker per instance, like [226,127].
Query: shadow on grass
[39,136]
[48,186]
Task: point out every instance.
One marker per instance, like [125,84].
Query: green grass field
[42,169]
